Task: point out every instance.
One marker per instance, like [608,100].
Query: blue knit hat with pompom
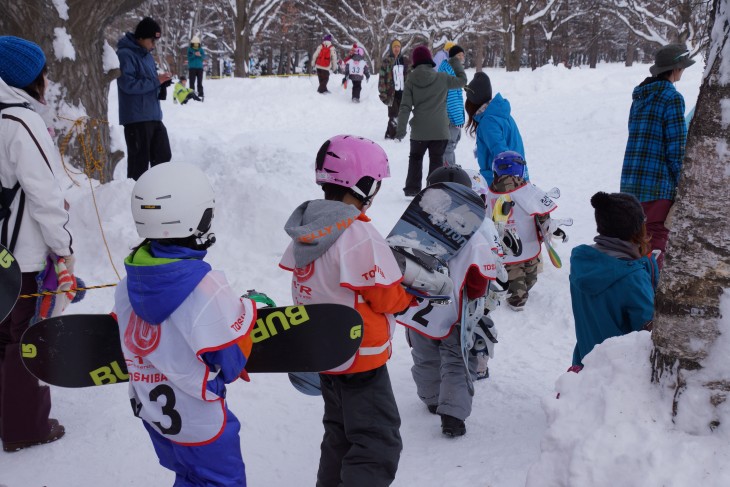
[21,61]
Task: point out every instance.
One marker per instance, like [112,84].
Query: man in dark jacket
[140,89]
[425,93]
[392,79]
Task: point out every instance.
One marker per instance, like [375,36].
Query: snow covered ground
[257,139]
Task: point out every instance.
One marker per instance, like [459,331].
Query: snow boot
[56,431]
[451,426]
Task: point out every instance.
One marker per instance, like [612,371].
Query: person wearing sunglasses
[140,90]
[657,136]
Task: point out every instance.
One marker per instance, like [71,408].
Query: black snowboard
[84,350]
[9,282]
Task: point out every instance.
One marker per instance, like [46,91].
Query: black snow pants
[362,444]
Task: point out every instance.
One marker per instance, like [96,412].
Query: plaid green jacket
[657,136]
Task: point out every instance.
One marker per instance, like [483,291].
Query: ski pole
[50,293]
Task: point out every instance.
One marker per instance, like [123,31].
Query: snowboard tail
[85,351]
[10,282]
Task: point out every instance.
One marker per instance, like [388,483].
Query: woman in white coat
[34,229]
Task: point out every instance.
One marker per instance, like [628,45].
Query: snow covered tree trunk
[693,303]
[71,34]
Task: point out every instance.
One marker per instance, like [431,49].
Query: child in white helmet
[175,319]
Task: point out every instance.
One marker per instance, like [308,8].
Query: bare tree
[696,278]
[679,21]
[73,40]
[250,18]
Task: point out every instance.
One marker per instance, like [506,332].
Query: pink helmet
[352,161]
[359,51]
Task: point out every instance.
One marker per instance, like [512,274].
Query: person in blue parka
[491,121]
[612,282]
[140,90]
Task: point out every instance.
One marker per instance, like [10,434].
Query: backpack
[324,57]
[7,195]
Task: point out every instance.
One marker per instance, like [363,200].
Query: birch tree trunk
[82,84]
[696,275]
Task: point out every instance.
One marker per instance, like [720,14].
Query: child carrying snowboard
[521,240]
[355,69]
[432,331]
[337,256]
[612,282]
[180,326]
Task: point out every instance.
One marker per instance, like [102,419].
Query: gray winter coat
[425,93]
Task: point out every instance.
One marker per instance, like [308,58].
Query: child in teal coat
[612,282]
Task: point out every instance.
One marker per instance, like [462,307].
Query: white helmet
[173,200]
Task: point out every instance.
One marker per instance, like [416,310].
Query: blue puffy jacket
[611,297]
[497,132]
[138,86]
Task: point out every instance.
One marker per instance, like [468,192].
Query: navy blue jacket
[138,86]
[611,297]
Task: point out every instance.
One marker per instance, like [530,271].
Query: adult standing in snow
[325,60]
[490,119]
[33,210]
[425,94]
[443,54]
[391,81]
[140,90]
[657,136]
[612,282]
[454,106]
[196,56]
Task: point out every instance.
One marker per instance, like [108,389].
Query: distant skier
[180,326]
[337,256]
[391,81]
[521,242]
[355,69]
[433,331]
[612,282]
[490,120]
[454,106]
[325,60]
[442,54]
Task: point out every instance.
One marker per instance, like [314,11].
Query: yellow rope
[84,128]
[50,293]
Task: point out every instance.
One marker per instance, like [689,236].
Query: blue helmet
[509,163]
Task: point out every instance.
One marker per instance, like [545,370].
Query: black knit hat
[455,50]
[147,29]
[479,90]
[618,215]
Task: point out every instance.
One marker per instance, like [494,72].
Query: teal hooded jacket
[610,296]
